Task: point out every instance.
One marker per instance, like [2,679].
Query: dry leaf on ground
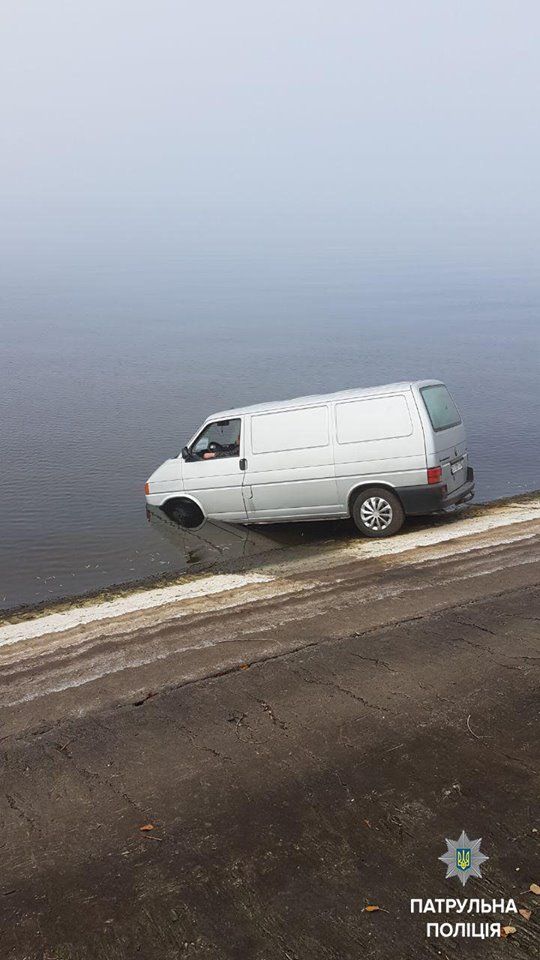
[506,931]
[147,826]
[371,908]
[534,888]
[526,914]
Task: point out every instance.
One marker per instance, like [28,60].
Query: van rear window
[442,410]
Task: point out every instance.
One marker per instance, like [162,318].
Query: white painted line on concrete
[500,517]
[146,599]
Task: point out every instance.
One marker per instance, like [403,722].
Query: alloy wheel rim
[376,513]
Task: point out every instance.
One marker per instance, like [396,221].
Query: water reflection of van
[377,455]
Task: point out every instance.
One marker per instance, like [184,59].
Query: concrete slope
[87,657]
[301,744]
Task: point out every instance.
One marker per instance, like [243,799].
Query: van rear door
[446,442]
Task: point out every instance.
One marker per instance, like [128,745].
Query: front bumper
[433,498]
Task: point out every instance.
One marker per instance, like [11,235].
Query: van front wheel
[184,513]
[377,513]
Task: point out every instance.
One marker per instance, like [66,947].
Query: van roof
[321,398]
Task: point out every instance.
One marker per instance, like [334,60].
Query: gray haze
[205,205]
[403,128]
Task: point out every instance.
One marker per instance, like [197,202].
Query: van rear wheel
[377,513]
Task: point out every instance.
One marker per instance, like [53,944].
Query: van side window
[218,439]
[379,418]
[442,410]
[287,430]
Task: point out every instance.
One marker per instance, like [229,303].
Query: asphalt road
[301,746]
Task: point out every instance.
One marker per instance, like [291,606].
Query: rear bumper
[432,498]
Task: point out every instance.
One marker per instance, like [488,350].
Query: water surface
[113,355]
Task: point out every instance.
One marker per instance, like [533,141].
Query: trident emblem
[463,858]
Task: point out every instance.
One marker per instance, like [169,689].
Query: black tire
[377,513]
[183,513]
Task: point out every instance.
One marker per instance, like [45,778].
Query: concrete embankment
[122,649]
[301,736]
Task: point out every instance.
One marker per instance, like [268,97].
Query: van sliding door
[290,466]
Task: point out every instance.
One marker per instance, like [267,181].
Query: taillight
[434,474]
[147,488]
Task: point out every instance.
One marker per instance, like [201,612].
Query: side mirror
[185,453]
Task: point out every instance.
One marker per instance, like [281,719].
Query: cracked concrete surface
[299,754]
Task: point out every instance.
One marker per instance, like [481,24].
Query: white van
[377,455]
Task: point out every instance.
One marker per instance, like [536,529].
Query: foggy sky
[401,120]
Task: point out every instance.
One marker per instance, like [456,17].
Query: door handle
[243,463]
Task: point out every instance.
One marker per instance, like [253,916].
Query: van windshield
[442,410]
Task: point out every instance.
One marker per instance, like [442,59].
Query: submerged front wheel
[377,513]
[184,513]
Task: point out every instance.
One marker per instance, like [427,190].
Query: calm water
[110,361]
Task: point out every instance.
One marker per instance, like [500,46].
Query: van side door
[289,464]
[211,472]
